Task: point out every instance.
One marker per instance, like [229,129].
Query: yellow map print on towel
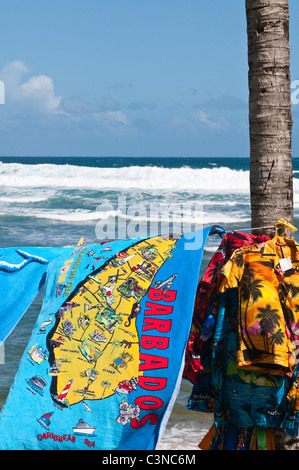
[94,346]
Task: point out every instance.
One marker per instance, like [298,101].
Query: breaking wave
[148,178]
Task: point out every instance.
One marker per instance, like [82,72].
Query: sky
[135,78]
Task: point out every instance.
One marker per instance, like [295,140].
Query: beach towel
[22,275]
[103,365]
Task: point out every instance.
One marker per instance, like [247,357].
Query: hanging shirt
[197,351]
[245,398]
[267,278]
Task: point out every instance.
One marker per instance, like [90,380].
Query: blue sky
[135,78]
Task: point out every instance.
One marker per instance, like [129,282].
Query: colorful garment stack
[233,438]
[243,344]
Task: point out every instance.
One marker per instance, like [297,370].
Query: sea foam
[148,178]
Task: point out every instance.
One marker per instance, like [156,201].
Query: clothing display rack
[242,350]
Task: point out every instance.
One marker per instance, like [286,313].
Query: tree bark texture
[270,116]
[270,123]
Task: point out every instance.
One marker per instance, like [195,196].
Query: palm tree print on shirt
[269,322]
[268,304]
[250,290]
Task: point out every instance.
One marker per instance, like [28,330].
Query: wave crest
[150,178]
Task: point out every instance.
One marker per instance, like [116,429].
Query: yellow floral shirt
[268,304]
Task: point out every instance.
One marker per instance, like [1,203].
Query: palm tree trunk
[270,123]
[270,117]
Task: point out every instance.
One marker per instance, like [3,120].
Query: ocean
[53,201]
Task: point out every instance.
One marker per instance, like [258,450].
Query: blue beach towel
[22,275]
[103,365]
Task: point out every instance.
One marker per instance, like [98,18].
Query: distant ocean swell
[77,194]
[134,177]
[72,194]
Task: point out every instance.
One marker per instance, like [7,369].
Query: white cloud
[112,118]
[12,73]
[34,96]
[39,91]
[212,123]
[199,121]
[76,105]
